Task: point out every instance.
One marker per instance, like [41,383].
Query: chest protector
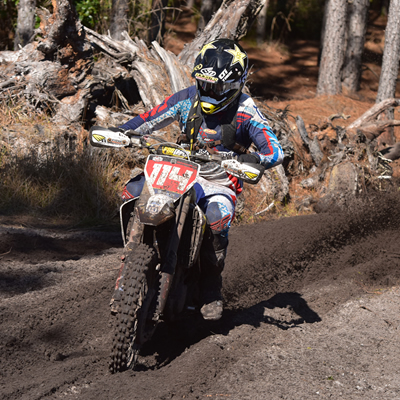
[228,130]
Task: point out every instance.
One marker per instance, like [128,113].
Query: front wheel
[134,322]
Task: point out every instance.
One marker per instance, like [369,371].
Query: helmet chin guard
[220,71]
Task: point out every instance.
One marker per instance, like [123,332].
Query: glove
[249,158]
[112,129]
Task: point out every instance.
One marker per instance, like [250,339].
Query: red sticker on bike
[170,174]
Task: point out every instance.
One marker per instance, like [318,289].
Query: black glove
[249,158]
[112,129]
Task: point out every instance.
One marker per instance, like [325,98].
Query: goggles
[218,89]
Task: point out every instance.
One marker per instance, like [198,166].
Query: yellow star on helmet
[206,47]
[238,56]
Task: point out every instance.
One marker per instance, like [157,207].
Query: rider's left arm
[269,149]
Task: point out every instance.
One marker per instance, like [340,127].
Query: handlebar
[142,141]
[115,137]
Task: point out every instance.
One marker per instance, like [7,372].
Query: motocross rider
[215,116]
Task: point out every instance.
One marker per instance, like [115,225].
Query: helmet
[220,71]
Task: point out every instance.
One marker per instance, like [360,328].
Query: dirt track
[312,312]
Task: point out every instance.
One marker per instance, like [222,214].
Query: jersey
[252,126]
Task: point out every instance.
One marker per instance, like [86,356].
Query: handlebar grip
[131,132]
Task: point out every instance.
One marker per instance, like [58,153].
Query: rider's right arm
[174,108]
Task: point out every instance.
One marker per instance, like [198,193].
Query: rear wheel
[134,323]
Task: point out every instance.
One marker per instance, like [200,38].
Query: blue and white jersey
[252,127]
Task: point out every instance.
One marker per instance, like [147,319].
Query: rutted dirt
[312,311]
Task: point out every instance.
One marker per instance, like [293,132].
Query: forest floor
[312,301]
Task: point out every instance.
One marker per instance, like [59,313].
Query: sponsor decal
[116,141]
[203,152]
[238,56]
[210,131]
[208,71]
[221,224]
[180,153]
[206,78]
[206,47]
[198,67]
[250,175]
[224,75]
[99,138]
[172,151]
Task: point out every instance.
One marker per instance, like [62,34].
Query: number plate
[168,174]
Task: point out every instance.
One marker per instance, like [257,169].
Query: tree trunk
[391,54]
[323,28]
[25,23]
[262,23]
[157,27]
[231,21]
[356,30]
[119,18]
[207,9]
[329,79]
[206,12]
[390,63]
[62,31]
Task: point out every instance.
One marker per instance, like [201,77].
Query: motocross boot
[212,264]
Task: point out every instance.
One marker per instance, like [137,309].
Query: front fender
[125,212]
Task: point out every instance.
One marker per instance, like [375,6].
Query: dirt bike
[162,231]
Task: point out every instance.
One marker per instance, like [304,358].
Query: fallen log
[156,71]
[372,131]
[392,153]
[302,131]
[374,112]
[231,21]
[312,145]
[66,43]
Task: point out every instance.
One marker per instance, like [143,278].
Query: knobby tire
[124,350]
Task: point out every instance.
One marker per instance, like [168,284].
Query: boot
[213,307]
[212,264]
[212,311]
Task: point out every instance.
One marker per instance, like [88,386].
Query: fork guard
[125,212]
